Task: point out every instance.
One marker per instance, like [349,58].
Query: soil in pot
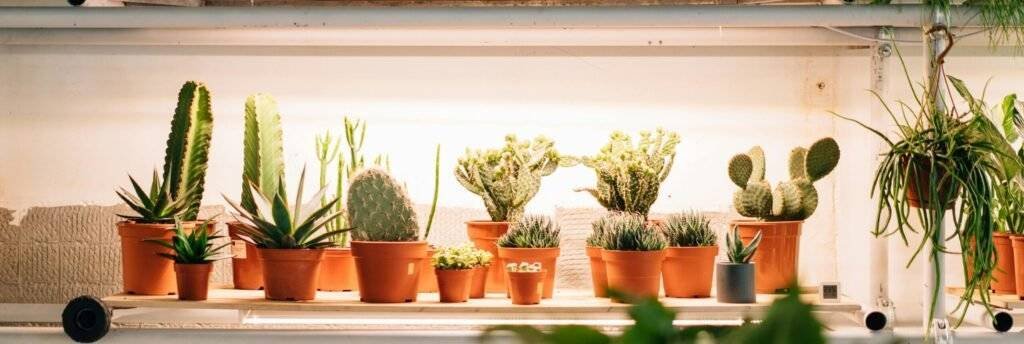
[193,281]
[777,255]
[388,272]
[478,287]
[428,279]
[337,271]
[687,271]
[484,235]
[547,257]
[143,271]
[290,274]
[735,283]
[636,273]
[246,271]
[454,285]
[1018,263]
[526,288]
[919,188]
[1003,278]
[597,274]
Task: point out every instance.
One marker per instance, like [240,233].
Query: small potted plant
[178,196]
[506,179]
[598,277]
[736,277]
[478,288]
[781,212]
[533,238]
[1009,210]
[525,282]
[690,256]
[193,256]
[454,269]
[290,243]
[633,251]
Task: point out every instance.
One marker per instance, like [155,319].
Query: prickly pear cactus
[507,178]
[379,209]
[628,176]
[795,199]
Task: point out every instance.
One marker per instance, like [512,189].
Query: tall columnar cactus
[791,200]
[507,178]
[188,147]
[379,209]
[263,149]
[628,177]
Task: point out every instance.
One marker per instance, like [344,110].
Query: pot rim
[758,222]
[487,222]
[367,242]
[733,264]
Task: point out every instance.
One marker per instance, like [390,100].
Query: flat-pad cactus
[379,208]
[791,200]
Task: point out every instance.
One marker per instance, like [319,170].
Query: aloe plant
[195,247]
[631,232]
[157,206]
[263,154]
[690,229]
[736,251]
[532,231]
[188,147]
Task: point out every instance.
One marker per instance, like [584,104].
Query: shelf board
[1007,301]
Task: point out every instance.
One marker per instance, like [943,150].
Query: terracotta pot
[918,193]
[1018,263]
[193,281]
[144,272]
[597,275]
[547,257]
[1003,281]
[478,288]
[526,288]
[337,271]
[687,271]
[246,271]
[388,271]
[484,235]
[454,285]
[637,273]
[776,257]
[428,279]
[290,274]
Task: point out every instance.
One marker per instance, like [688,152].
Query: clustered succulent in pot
[506,179]
[736,278]
[633,250]
[598,275]
[454,267]
[690,257]
[193,253]
[781,211]
[525,282]
[628,176]
[177,197]
[533,238]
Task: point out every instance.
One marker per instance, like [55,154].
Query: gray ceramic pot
[735,283]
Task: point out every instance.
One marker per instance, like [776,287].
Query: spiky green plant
[460,258]
[276,224]
[158,206]
[628,176]
[631,232]
[379,208]
[507,178]
[598,229]
[791,200]
[263,149]
[195,247]
[690,229]
[532,231]
[1009,200]
[736,251]
[188,147]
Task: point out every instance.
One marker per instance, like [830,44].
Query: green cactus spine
[379,208]
[188,147]
[263,151]
[791,200]
[628,176]
[507,178]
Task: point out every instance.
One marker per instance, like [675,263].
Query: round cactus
[379,208]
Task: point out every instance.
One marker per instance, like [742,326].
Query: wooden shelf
[1007,301]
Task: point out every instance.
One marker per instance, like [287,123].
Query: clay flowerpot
[454,285]
[337,271]
[290,274]
[597,275]
[1018,263]
[526,288]
[777,255]
[547,257]
[428,279]
[246,271]
[142,270]
[918,184]
[193,281]
[636,273]
[735,283]
[388,271]
[687,271]
[478,287]
[1003,281]
[484,235]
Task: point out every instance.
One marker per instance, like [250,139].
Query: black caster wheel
[76,2]
[86,319]
[875,320]
[1002,321]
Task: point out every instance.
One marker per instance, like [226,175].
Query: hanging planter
[633,253]
[690,257]
[534,238]
[337,271]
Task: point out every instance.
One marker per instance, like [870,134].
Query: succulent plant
[379,208]
[791,200]
[507,178]
[188,147]
[599,227]
[628,176]
[158,206]
[195,247]
[531,231]
[736,251]
[690,229]
[631,232]
[460,258]
[523,267]
[263,152]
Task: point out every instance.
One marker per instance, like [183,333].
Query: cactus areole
[792,200]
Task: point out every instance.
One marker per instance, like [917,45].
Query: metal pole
[879,313]
[934,318]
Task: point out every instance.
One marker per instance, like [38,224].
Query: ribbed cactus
[628,177]
[791,200]
[263,150]
[379,209]
[507,178]
[188,147]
